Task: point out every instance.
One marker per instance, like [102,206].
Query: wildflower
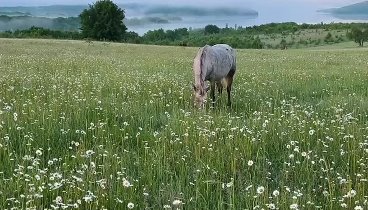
[230,184]
[271,206]
[275,193]
[325,193]
[130,205]
[126,183]
[294,206]
[176,202]
[260,190]
[38,152]
[250,162]
[351,193]
[88,198]
[311,132]
[89,153]
[358,208]
[58,200]
[15,116]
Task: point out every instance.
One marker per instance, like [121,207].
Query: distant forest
[273,35]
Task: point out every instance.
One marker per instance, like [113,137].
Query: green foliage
[358,35]
[132,37]
[103,21]
[283,44]
[256,37]
[329,38]
[25,22]
[37,32]
[211,29]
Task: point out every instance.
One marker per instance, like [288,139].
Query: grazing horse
[216,64]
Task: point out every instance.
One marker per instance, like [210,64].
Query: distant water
[266,15]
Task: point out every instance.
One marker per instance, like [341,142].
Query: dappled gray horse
[216,64]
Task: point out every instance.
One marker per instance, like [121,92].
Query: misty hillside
[65,17]
[353,9]
[44,11]
[197,11]
[131,10]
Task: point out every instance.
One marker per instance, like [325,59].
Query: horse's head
[200,95]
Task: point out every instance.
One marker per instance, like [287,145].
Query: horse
[216,64]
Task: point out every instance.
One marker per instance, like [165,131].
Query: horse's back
[221,59]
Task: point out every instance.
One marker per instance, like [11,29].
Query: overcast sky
[246,3]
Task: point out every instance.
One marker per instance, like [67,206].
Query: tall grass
[112,126]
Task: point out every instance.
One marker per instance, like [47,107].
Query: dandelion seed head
[130,205]
[260,189]
[176,202]
[126,183]
[294,206]
[58,200]
[275,193]
[38,152]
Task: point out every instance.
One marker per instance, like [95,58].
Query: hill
[355,11]
[13,18]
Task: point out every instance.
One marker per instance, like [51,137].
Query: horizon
[302,11]
[253,4]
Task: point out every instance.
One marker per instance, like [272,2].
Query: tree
[211,29]
[329,38]
[283,44]
[358,35]
[103,21]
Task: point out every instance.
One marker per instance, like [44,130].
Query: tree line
[103,21]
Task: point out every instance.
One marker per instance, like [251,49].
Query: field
[305,38]
[112,126]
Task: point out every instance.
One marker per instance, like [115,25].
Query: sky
[254,4]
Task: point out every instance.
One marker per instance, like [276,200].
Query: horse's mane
[202,53]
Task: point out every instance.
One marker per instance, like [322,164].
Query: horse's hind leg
[219,87]
[229,81]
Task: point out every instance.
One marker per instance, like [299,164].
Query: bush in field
[358,35]
[283,44]
[329,38]
[103,21]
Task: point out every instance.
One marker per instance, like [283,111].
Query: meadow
[112,126]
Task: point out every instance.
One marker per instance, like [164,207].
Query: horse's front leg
[212,83]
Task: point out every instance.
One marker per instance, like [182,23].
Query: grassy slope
[89,116]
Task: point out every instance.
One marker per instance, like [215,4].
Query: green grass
[306,38]
[94,126]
